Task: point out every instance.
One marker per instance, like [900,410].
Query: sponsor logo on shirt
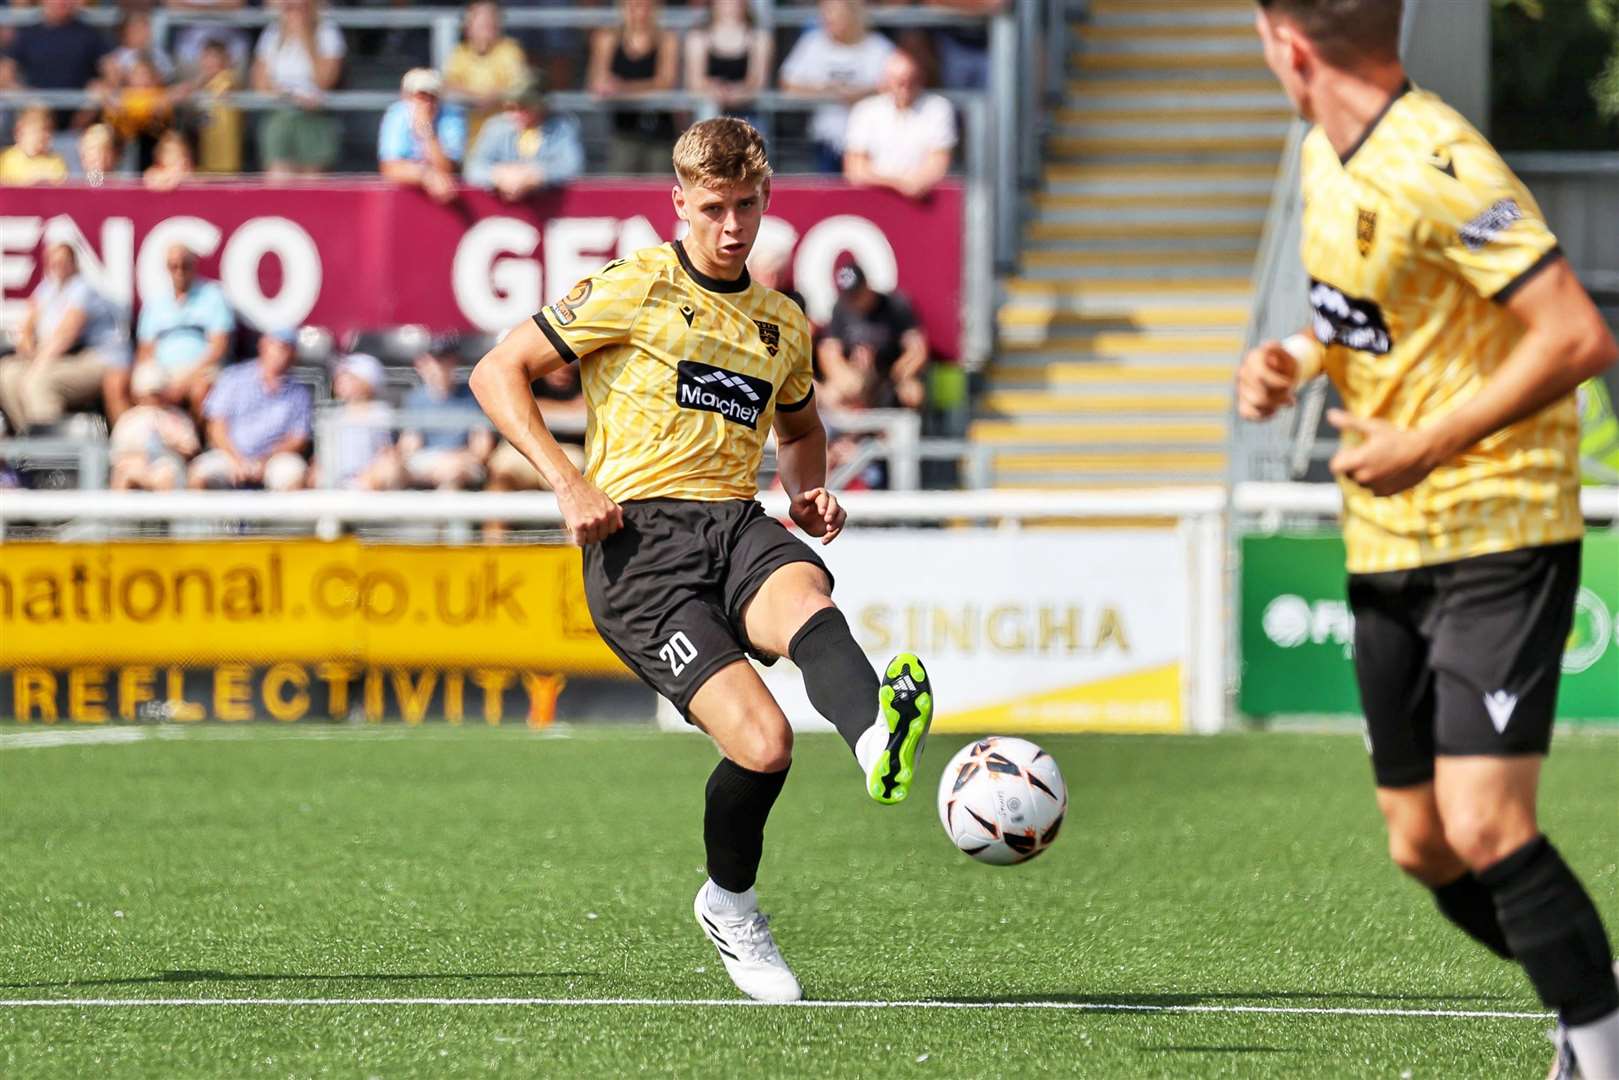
[738,398]
[1491,223]
[564,309]
[1348,321]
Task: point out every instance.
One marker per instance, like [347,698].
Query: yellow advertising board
[300,601]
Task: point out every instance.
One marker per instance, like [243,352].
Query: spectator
[964,50]
[486,67]
[134,42]
[840,60]
[902,137]
[562,404]
[299,57]
[184,332]
[632,60]
[172,164]
[218,123]
[258,423]
[151,441]
[356,451]
[526,148]
[729,59]
[60,52]
[771,261]
[444,458]
[58,363]
[141,109]
[422,140]
[873,352]
[31,160]
[190,38]
[98,155]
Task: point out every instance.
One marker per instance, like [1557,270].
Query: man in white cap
[356,451]
[422,140]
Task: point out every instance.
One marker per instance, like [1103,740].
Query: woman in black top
[729,59]
[636,58]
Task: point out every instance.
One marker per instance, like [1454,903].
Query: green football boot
[905,703]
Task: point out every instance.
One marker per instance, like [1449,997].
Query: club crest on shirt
[1365,231]
[564,309]
[770,334]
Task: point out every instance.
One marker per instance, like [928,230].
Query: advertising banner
[362,255]
[1298,635]
[1021,631]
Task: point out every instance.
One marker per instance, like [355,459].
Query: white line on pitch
[727,1003]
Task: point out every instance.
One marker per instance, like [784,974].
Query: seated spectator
[902,137]
[299,57]
[526,147]
[59,362]
[562,404]
[60,52]
[422,140]
[30,160]
[98,155]
[444,458]
[171,165]
[134,43]
[184,331]
[486,67]
[728,60]
[633,59]
[151,442]
[140,110]
[258,423]
[356,451]
[840,60]
[190,38]
[218,123]
[873,351]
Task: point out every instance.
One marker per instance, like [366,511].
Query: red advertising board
[362,254]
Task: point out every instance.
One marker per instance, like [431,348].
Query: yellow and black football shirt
[1413,240]
[682,374]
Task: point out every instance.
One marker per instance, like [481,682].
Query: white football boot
[751,958]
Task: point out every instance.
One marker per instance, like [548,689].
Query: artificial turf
[256,862]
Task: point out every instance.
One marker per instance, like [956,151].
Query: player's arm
[1565,343]
[502,383]
[801,464]
[1272,372]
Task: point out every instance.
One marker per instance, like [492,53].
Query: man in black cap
[449,457]
[873,350]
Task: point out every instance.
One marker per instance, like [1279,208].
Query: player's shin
[738,803]
[1555,932]
[1468,904]
[838,677]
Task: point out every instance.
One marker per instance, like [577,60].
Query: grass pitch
[1221,874]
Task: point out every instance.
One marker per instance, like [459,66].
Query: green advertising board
[1298,636]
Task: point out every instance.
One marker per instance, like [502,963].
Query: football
[1002,800]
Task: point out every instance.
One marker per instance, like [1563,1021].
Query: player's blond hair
[721,152]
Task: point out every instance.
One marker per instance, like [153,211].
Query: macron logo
[1500,705]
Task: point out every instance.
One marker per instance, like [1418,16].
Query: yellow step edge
[1178,170]
[1143,344]
[1081,145]
[1016,315]
[1087,230]
[1160,7]
[1171,116]
[1198,61]
[1110,463]
[1039,401]
[1106,286]
[1084,88]
[1072,373]
[1214,259]
[1114,32]
[1062,432]
[1167,200]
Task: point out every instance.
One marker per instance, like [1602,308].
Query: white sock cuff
[725,902]
[1596,1047]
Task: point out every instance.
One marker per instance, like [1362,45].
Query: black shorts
[667,590]
[1462,658]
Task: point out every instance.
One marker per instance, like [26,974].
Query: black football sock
[1468,904]
[837,675]
[739,801]
[1554,931]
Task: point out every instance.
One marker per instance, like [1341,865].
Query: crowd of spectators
[144,91]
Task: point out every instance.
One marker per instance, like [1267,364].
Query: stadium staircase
[1117,337]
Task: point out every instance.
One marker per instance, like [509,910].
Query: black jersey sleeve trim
[712,284]
[1405,88]
[562,347]
[784,406]
[1507,291]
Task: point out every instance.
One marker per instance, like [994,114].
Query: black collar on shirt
[1405,88]
[712,284]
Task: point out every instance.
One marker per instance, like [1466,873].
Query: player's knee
[1482,836]
[766,749]
[1421,851]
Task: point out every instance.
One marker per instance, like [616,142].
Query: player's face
[1286,59]
[724,223]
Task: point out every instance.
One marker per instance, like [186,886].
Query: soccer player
[687,365]
[1456,334]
